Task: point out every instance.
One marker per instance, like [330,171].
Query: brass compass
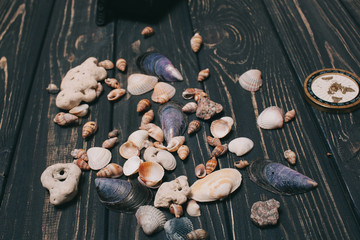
[333,90]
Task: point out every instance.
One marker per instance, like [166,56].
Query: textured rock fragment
[175,191]
[264,213]
[207,109]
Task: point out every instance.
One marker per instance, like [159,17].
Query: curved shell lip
[131,166]
[151,173]
[128,149]
[221,127]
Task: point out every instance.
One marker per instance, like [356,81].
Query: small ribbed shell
[131,166]
[138,138]
[150,154]
[154,131]
[240,146]
[113,133]
[211,165]
[290,156]
[241,164]
[163,92]
[175,143]
[147,31]
[196,42]
[143,105]
[219,150]
[107,64]
[150,219]
[64,119]
[98,157]
[80,110]
[109,143]
[213,141]
[289,115]
[112,170]
[251,80]
[121,64]
[197,234]
[79,153]
[82,164]
[200,171]
[221,127]
[193,127]
[190,92]
[139,84]
[193,209]
[129,149]
[176,209]
[151,173]
[147,117]
[112,82]
[89,129]
[177,228]
[115,94]
[189,107]
[183,152]
[166,159]
[99,89]
[203,74]
[271,118]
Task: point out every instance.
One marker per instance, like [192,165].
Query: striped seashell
[107,64]
[200,95]
[176,209]
[163,92]
[128,150]
[112,170]
[139,84]
[219,150]
[200,171]
[150,219]
[183,152]
[251,80]
[131,166]
[99,89]
[193,127]
[198,234]
[211,165]
[289,115]
[271,118]
[82,164]
[115,94]
[290,156]
[190,92]
[89,129]
[213,141]
[189,107]
[154,131]
[147,117]
[241,164]
[79,153]
[109,143]
[175,143]
[98,157]
[203,74]
[112,82]
[151,173]
[64,119]
[193,209]
[113,133]
[147,31]
[196,42]
[143,105]
[166,160]
[52,88]
[80,110]
[221,127]
[138,138]
[121,64]
[240,146]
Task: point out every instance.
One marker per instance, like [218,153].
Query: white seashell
[163,92]
[193,209]
[80,110]
[217,185]
[166,159]
[271,118]
[138,138]
[221,127]
[175,143]
[150,219]
[196,42]
[128,149]
[140,83]
[98,157]
[131,166]
[150,154]
[154,131]
[240,146]
[251,80]
[151,173]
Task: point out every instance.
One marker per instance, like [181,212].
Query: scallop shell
[98,157]
[64,119]
[112,82]
[139,84]
[193,127]
[183,152]
[241,164]
[193,209]
[52,88]
[115,94]
[198,234]
[178,228]
[203,74]
[89,129]
[154,131]
[138,138]
[113,133]
[151,173]
[112,170]
[121,195]
[219,150]
[109,143]
[82,164]
[143,105]
[107,64]
[121,64]
[166,159]
[241,146]
[217,185]
[150,219]
[196,42]
[128,150]
[289,115]
[290,156]
[213,141]
[163,92]
[99,89]
[175,143]
[147,117]
[190,92]
[189,107]
[150,154]
[147,31]
[200,171]
[221,127]
[251,80]
[80,110]
[131,166]
[211,165]
[271,118]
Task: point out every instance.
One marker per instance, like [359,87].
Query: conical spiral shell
[128,150]
[163,92]
[189,107]
[271,118]
[112,170]
[80,111]
[89,129]
[196,42]
[221,127]
[82,164]
[203,74]
[193,209]
[211,165]
[193,127]
[213,141]
[121,64]
[198,234]
[64,119]
[115,94]
[139,84]
[251,80]
[79,153]
[147,31]
[143,105]
[183,152]
[147,117]
[112,82]
[107,64]
[150,219]
[166,159]
[219,150]
[109,143]
[289,115]
[113,133]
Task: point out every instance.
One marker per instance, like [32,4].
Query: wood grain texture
[329,39]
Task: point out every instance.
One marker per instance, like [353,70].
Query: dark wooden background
[286,39]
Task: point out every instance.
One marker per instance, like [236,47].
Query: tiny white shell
[139,84]
[131,166]
[221,127]
[138,138]
[150,219]
[241,146]
[251,80]
[166,159]
[193,209]
[271,118]
[98,157]
[80,110]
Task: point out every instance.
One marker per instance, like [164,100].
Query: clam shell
[150,219]
[175,143]
[183,152]
[80,110]
[217,185]
[131,166]
[203,74]
[193,209]
[121,64]
[154,131]
[271,118]
[112,170]
[163,92]
[189,107]
[98,157]
[198,234]
[121,195]
[139,84]
[240,146]
[166,159]
[143,105]
[211,165]
[221,127]
[151,173]
[89,129]
[128,150]
[196,42]
[150,154]
[200,171]
[172,119]
[178,228]
[109,143]
[251,80]
[138,138]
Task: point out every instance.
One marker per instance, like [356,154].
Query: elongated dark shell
[173,120]
[278,178]
[121,195]
[158,65]
[178,228]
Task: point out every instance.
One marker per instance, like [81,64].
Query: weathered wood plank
[353,7]
[26,212]
[327,38]
[238,36]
